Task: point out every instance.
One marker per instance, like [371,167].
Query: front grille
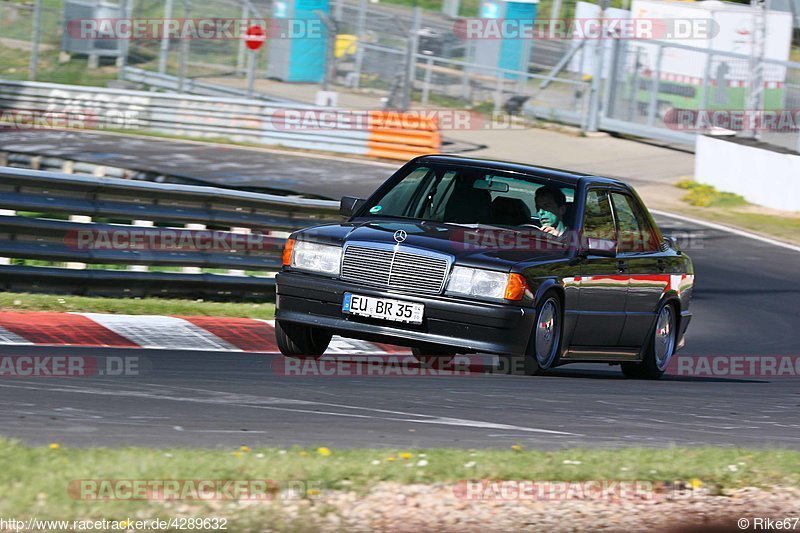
[394,269]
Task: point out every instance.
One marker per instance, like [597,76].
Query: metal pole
[411,57]
[122,60]
[756,87]
[451,8]
[361,22]
[35,36]
[654,88]
[426,87]
[706,81]
[330,45]
[597,75]
[338,10]
[612,82]
[187,6]
[164,55]
[251,72]
[242,47]
[555,11]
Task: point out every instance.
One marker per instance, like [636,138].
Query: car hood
[471,245]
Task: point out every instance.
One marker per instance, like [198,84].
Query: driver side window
[598,223]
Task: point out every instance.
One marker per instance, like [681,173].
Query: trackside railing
[90,235]
[27,105]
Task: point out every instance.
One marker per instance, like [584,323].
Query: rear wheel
[660,348]
[436,358]
[300,341]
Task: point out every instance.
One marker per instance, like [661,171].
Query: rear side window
[634,233]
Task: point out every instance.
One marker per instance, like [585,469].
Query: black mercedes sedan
[455,256]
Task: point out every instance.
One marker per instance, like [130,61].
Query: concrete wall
[763,177]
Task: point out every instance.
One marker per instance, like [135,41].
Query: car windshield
[465,195]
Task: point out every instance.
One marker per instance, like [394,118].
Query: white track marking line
[9,337]
[162,332]
[406,417]
[728,229]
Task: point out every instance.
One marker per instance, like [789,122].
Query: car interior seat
[468,205]
[510,212]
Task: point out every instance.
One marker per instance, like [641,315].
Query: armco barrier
[60,208]
[237,119]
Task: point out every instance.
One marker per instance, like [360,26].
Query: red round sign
[254,37]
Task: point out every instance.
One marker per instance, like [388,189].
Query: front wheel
[545,344]
[300,341]
[660,348]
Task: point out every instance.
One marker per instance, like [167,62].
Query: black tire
[436,358]
[544,349]
[660,346]
[300,341]
[632,370]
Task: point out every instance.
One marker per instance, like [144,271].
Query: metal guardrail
[240,120]
[80,230]
[192,86]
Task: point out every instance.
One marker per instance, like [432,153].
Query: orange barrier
[396,135]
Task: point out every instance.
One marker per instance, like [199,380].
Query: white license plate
[383,308]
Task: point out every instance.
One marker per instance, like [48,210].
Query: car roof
[569,176]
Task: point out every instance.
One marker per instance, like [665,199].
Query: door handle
[622,266]
[662,265]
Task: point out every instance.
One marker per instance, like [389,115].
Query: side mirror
[349,205]
[672,242]
[601,247]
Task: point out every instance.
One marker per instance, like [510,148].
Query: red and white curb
[158,332]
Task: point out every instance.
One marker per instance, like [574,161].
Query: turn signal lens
[516,286]
[287,252]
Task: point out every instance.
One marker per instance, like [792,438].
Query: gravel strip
[397,507]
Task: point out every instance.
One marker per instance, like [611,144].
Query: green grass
[704,201]
[132,306]
[14,66]
[34,480]
[702,195]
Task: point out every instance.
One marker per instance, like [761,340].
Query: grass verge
[706,202]
[132,306]
[35,480]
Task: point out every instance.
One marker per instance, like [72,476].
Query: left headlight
[313,257]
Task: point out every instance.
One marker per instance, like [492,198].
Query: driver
[551,206]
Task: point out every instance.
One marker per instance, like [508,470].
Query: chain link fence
[641,93]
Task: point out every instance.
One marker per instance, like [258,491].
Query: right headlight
[488,284]
[313,257]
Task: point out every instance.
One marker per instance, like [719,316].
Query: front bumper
[448,322]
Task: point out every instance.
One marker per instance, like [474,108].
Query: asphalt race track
[745,304]
[217,164]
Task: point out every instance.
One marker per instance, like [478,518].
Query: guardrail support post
[7,213]
[83,219]
[193,227]
[141,224]
[239,231]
